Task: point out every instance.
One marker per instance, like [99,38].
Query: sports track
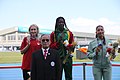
[80,72]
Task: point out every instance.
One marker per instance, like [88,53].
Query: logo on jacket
[52,63]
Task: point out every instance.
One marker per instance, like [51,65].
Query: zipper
[102,56]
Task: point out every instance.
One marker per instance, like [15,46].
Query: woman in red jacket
[29,45]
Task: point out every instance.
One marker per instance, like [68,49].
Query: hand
[28,41]
[66,43]
[98,49]
[113,51]
[69,45]
[109,50]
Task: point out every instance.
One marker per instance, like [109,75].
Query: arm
[91,51]
[25,45]
[24,50]
[71,44]
[71,38]
[53,43]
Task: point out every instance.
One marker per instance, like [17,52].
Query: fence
[5,70]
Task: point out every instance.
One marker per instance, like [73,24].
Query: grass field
[16,57]
[10,57]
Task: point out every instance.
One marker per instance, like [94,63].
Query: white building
[11,38]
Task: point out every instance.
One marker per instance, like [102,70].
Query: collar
[44,49]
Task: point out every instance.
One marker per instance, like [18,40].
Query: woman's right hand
[98,49]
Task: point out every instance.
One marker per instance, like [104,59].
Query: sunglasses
[43,40]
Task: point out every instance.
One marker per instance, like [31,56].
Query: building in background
[11,38]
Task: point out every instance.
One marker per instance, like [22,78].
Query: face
[33,31]
[45,41]
[61,24]
[100,32]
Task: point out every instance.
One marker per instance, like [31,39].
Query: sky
[80,15]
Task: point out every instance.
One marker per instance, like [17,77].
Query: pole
[84,76]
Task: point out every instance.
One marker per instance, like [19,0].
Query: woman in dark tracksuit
[97,51]
[61,40]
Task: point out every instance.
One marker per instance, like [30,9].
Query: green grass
[10,57]
[117,59]
[16,57]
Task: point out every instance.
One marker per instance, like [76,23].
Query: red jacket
[34,45]
[54,44]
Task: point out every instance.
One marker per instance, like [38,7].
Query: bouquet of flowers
[113,50]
